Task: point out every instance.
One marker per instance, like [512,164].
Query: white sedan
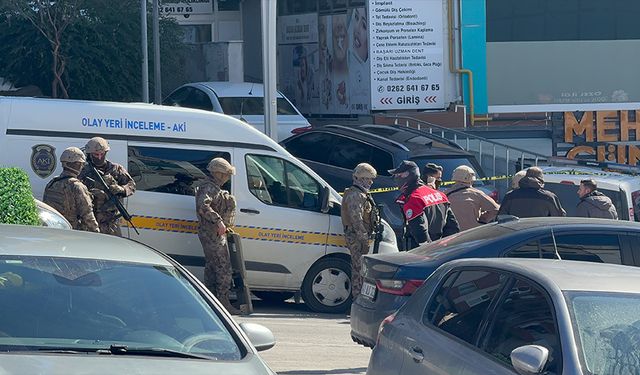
[78,302]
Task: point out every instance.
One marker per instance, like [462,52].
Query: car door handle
[417,354]
[249,211]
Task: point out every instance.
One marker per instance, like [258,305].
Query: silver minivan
[243,100]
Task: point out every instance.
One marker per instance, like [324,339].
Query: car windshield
[237,106]
[83,305]
[607,328]
[461,240]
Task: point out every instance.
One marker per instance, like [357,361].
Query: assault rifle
[378,228]
[112,199]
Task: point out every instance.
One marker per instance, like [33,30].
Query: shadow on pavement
[289,309]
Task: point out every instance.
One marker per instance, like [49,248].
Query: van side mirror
[325,193]
[529,359]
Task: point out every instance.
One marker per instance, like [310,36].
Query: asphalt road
[308,343]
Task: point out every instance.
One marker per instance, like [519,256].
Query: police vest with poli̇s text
[418,200]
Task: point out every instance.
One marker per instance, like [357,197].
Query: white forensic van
[288,217]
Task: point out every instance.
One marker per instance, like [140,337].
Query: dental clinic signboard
[407,54]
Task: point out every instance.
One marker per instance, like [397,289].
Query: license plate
[368,290]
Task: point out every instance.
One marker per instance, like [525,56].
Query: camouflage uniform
[212,205]
[358,217]
[106,213]
[71,198]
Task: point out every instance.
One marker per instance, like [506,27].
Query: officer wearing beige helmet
[117,179]
[216,209]
[471,206]
[359,215]
[67,194]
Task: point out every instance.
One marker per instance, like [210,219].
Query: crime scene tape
[444,183]
[499,178]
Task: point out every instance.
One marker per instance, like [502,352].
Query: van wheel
[327,286]
[269,296]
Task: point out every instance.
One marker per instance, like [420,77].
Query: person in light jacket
[471,206]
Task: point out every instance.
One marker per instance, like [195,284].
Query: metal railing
[498,160]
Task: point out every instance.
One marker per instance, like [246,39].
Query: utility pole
[145,52]
[157,82]
[269,67]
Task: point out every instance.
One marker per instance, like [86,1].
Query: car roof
[63,117]
[409,136]
[389,144]
[565,275]
[561,222]
[24,240]
[514,228]
[234,89]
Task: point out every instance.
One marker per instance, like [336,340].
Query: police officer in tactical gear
[427,213]
[117,178]
[67,194]
[359,215]
[216,209]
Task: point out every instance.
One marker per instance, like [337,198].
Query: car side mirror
[325,194]
[529,359]
[260,336]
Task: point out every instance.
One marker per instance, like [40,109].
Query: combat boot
[229,307]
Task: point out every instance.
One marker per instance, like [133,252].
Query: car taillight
[566,182]
[399,287]
[302,129]
[384,322]
[495,195]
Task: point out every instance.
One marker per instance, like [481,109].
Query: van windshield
[568,195]
[252,106]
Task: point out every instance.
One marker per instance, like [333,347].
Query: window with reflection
[462,301]
[588,247]
[171,170]
[279,182]
[524,317]
[87,305]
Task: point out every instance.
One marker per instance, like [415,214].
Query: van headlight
[52,219]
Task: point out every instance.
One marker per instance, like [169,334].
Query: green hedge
[17,205]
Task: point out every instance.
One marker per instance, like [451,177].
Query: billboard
[407,54]
[323,62]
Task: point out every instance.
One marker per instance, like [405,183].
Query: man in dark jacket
[427,213]
[593,203]
[530,199]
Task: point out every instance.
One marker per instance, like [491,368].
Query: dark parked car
[389,280]
[515,316]
[332,151]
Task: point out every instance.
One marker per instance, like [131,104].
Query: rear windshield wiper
[116,349]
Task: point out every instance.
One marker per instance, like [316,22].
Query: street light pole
[157,83]
[145,52]
[269,67]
